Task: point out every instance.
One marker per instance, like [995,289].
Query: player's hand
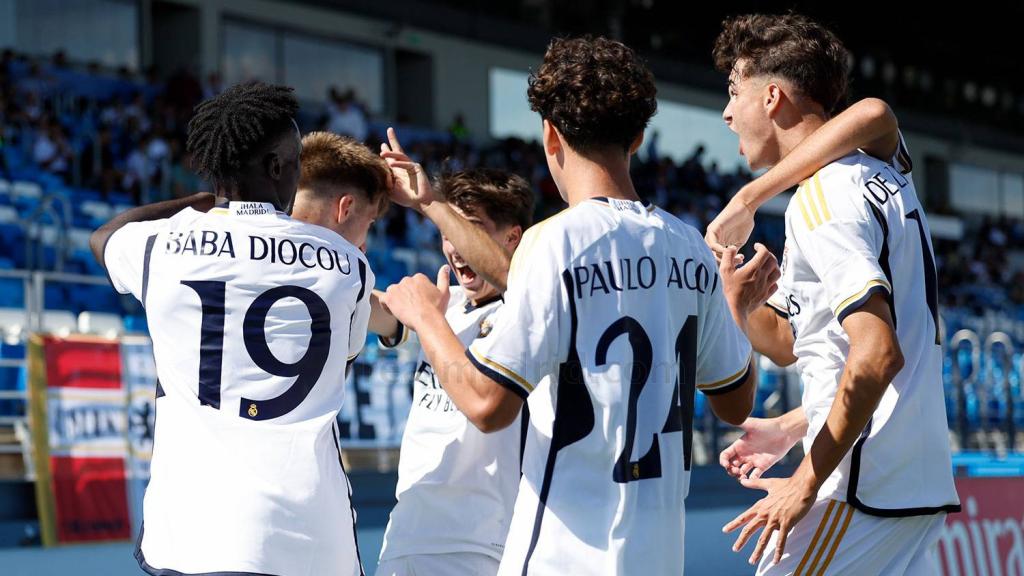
[203,201]
[764,442]
[732,227]
[748,287]
[416,300]
[787,502]
[410,186]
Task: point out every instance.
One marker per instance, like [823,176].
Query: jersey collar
[486,301]
[611,202]
[249,209]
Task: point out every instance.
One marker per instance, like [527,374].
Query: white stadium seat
[99,323]
[8,215]
[12,321]
[59,322]
[27,189]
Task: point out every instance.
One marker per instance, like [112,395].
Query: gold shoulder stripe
[821,198]
[799,197]
[809,198]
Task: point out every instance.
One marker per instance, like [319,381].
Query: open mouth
[465,274]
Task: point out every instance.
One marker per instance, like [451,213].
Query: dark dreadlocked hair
[229,127]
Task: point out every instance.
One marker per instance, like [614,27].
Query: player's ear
[552,139]
[772,98]
[512,237]
[344,207]
[272,165]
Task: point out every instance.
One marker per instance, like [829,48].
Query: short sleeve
[723,351]
[127,255]
[361,316]
[530,334]
[843,242]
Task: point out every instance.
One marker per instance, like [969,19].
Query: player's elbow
[496,412]
[735,406]
[97,240]
[735,413]
[875,366]
[781,358]
[877,110]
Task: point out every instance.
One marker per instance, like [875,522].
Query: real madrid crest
[485,327]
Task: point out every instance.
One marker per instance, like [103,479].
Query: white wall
[463,68]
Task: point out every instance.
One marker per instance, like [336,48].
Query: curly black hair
[597,92]
[229,127]
[789,46]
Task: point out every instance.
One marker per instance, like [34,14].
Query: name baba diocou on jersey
[221,244]
[627,274]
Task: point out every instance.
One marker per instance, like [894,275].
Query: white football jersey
[254,318]
[456,485]
[613,316]
[856,228]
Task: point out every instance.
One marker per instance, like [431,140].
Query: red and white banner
[89,426]
[987,537]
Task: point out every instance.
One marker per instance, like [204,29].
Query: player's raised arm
[411,188]
[201,201]
[869,125]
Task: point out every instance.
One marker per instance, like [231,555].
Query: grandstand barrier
[962,381]
[1000,381]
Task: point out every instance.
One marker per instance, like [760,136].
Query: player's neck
[791,137]
[586,179]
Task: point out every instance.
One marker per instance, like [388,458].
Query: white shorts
[834,539]
[452,564]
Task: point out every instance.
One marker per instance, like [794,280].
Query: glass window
[312,66]
[106,31]
[248,52]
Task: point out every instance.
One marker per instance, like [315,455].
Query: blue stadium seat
[55,297]
[136,323]
[12,378]
[12,293]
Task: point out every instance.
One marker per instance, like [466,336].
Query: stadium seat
[12,292]
[97,209]
[23,189]
[78,238]
[136,324]
[59,322]
[12,321]
[8,215]
[100,323]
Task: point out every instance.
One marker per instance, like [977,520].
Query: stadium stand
[122,141]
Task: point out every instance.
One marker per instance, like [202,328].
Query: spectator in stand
[51,150]
[345,115]
[139,171]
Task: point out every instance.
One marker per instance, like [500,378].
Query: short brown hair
[504,197]
[789,46]
[330,161]
[596,92]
